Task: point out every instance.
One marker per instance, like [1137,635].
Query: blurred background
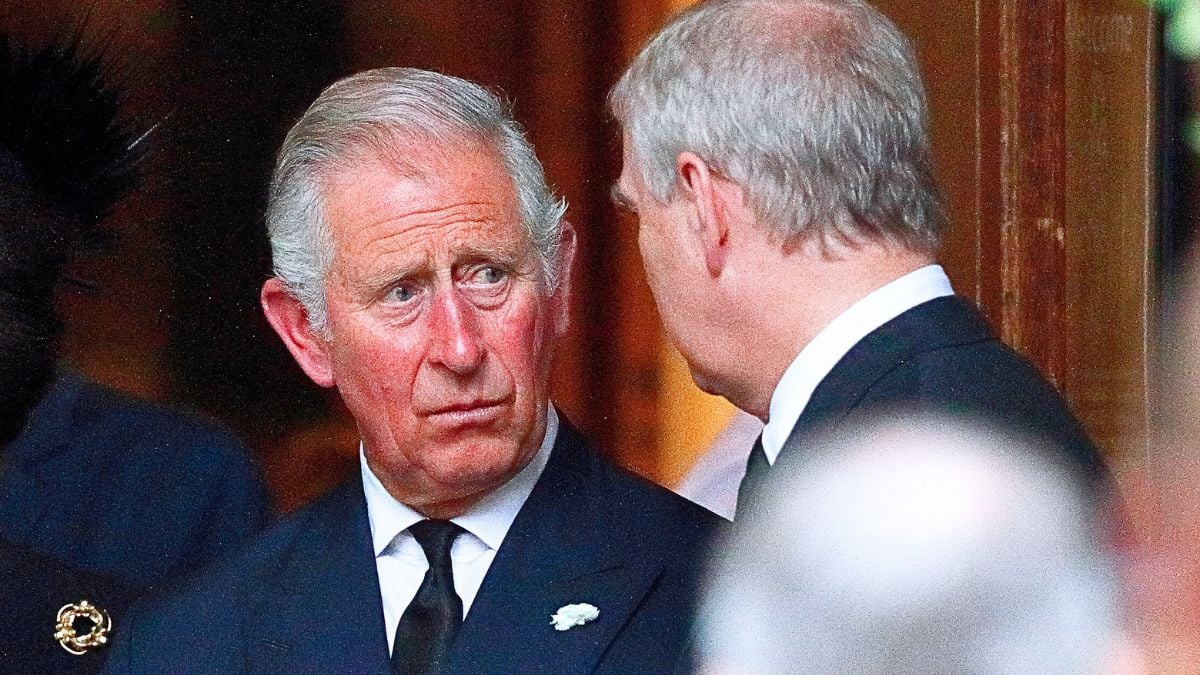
[1058,127]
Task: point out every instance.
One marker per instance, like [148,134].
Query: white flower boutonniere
[569,616]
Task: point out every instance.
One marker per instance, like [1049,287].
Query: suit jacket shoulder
[157,491]
[592,533]
[943,357]
[305,597]
[313,567]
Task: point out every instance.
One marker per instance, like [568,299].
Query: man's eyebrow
[378,282]
[498,255]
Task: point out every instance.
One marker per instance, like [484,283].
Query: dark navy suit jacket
[942,357]
[305,598]
[124,488]
[32,589]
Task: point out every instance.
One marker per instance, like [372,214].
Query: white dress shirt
[820,355]
[401,563]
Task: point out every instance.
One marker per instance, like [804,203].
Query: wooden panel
[564,109]
[474,40]
[647,386]
[1051,197]
[989,148]
[1110,276]
[947,50]
[1032,169]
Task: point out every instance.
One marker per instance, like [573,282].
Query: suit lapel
[942,322]
[560,550]
[325,615]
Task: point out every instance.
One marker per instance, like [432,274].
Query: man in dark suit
[776,153]
[422,267]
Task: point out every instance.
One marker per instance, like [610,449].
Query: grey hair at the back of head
[814,107]
[377,115]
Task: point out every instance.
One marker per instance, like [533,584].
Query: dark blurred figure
[778,159]
[916,545]
[89,479]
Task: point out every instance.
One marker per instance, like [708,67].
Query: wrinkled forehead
[438,201]
[467,165]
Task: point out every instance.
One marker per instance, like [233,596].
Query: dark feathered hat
[61,134]
[65,161]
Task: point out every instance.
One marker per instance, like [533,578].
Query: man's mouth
[469,413]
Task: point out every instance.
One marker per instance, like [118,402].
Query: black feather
[60,123]
[66,160]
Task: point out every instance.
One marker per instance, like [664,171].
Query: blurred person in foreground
[100,496]
[916,545]
[776,153]
[105,483]
[1163,498]
[422,268]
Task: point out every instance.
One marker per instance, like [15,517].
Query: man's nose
[456,340]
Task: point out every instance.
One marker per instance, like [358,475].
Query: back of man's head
[915,546]
[814,107]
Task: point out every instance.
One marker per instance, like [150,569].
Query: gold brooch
[68,635]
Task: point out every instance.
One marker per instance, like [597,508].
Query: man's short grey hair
[814,107]
[378,115]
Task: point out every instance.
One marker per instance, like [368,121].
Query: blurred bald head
[912,547]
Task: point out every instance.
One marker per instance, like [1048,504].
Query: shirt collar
[489,519]
[820,355]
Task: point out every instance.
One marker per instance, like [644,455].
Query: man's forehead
[457,234]
[457,206]
[420,260]
[470,182]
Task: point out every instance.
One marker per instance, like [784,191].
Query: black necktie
[431,621]
[757,468]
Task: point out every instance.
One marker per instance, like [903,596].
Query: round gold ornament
[69,636]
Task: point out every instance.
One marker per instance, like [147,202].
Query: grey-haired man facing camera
[422,268]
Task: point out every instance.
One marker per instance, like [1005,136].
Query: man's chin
[458,491]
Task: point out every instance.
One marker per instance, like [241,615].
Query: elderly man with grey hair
[776,154]
[422,269]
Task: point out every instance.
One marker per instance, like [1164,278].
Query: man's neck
[797,295]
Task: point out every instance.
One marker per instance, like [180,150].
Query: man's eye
[489,275]
[402,293]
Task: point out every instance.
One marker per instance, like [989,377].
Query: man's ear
[708,194]
[290,320]
[560,301]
